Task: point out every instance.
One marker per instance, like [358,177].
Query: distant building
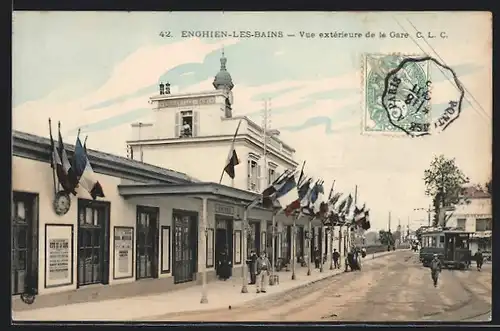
[475,216]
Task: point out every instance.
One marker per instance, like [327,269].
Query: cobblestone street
[392,288]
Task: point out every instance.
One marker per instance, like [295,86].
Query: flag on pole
[278,189]
[57,163]
[232,158]
[365,223]
[68,168]
[317,191]
[330,195]
[302,192]
[87,176]
[348,205]
[334,199]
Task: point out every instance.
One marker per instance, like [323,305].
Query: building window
[253,173]
[186,124]
[461,223]
[270,176]
[92,243]
[483,224]
[24,243]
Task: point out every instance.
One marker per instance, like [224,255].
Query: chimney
[167,88]
[161,88]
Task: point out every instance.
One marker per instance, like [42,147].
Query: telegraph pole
[264,138]
[389,221]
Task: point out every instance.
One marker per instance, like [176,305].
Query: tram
[451,246]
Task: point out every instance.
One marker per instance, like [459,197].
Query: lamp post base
[309,272]
[204,299]
[293,276]
[244,289]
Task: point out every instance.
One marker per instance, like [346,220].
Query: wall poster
[58,255]
[210,248]
[237,247]
[123,252]
[165,249]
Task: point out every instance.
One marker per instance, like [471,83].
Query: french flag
[84,171]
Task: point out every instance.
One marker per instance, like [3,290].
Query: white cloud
[140,69]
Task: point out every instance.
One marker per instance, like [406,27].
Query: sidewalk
[220,294]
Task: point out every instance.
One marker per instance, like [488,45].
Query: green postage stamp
[398,95]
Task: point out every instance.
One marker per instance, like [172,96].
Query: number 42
[165,34]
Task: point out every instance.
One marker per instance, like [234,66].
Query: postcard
[251,166]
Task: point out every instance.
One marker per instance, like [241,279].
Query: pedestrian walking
[336,257]
[263,266]
[317,258]
[479,259]
[252,267]
[435,269]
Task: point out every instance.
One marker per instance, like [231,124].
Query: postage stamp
[400,97]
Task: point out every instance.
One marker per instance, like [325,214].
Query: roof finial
[223,61]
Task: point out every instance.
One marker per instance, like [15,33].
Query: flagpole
[273,247]
[294,251]
[311,251]
[53,161]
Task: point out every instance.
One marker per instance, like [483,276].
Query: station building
[156,229]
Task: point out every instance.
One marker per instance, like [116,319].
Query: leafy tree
[444,183]
[489,187]
[385,237]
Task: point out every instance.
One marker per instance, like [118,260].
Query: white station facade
[155,228]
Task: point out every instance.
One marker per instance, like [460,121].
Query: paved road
[392,288]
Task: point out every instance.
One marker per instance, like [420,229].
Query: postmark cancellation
[408,95]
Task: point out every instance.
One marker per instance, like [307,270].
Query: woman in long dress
[224,265]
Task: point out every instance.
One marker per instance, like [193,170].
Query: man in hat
[336,257]
[435,269]
[251,261]
[479,259]
[263,267]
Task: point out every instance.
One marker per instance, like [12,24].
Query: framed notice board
[58,255]
[123,252]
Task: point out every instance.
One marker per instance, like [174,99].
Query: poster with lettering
[58,255]
[123,252]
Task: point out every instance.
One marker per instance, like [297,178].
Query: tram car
[451,246]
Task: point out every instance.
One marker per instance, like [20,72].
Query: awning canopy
[206,189]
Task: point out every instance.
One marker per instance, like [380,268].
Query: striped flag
[232,158]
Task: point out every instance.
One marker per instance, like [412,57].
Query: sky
[96,71]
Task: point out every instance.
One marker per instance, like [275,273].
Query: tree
[385,237]
[489,187]
[444,183]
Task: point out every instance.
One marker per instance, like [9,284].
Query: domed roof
[223,79]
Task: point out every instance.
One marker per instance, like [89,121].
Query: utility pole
[429,216]
[389,221]
[265,123]
[408,229]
